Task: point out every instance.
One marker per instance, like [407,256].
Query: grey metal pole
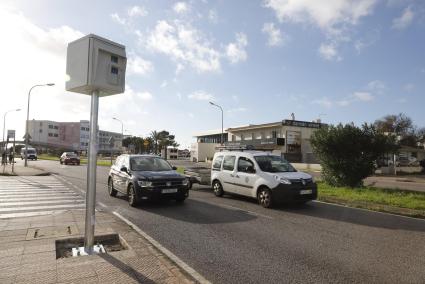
[222,128]
[26,127]
[91,176]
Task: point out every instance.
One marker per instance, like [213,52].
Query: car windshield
[149,164]
[274,164]
[72,155]
[31,151]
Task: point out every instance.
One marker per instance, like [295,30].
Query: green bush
[348,153]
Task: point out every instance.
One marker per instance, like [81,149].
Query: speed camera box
[94,63]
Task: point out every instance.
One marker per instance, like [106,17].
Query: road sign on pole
[96,67]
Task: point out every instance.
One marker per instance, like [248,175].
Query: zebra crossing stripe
[42,207]
[20,203]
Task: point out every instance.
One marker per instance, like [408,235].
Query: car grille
[163,183]
[299,181]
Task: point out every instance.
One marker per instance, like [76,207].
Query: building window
[55,127]
[40,130]
[242,137]
[50,126]
[50,134]
[274,134]
[55,135]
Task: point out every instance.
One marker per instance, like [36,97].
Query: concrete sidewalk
[27,257]
[20,170]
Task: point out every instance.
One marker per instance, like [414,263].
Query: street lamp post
[222,129]
[4,125]
[122,130]
[26,125]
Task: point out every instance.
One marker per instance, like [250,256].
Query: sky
[337,60]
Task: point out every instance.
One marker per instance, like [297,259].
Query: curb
[180,263]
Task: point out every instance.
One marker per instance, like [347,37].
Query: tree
[166,139]
[155,136]
[348,153]
[399,124]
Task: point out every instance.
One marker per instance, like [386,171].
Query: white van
[261,175]
[32,153]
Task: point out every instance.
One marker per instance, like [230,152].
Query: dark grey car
[146,177]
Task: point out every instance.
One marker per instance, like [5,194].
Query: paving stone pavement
[25,259]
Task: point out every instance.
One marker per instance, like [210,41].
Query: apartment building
[70,136]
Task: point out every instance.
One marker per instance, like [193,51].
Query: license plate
[306,191]
[169,190]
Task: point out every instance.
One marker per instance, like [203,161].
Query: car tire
[264,197]
[60,162]
[132,196]
[217,188]
[111,190]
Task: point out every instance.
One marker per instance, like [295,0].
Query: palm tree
[156,137]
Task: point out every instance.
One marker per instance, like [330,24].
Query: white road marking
[192,272]
[36,197]
[29,196]
[367,210]
[42,207]
[20,203]
[30,214]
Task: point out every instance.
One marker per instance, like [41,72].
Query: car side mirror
[174,168]
[123,169]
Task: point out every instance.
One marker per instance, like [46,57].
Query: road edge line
[368,210]
[189,270]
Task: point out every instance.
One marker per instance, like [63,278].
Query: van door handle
[237,176]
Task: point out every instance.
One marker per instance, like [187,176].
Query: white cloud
[139,66]
[329,51]
[146,96]
[164,84]
[363,96]
[137,11]
[116,18]
[213,16]
[404,20]
[273,33]
[327,15]
[348,100]
[376,86]
[36,55]
[325,102]
[409,87]
[236,51]
[238,109]
[185,45]
[201,96]
[181,7]
[191,115]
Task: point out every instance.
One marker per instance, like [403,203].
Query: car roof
[248,153]
[141,155]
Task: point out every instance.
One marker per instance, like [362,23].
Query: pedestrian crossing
[35,195]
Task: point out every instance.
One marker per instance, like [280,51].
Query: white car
[261,175]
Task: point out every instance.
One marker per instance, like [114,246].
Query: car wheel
[78,163]
[265,197]
[60,161]
[132,197]
[217,188]
[111,190]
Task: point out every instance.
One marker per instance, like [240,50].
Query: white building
[70,136]
[289,138]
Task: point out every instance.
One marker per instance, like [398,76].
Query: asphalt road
[233,240]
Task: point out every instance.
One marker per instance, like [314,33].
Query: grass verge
[394,201]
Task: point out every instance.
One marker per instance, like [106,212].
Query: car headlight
[185,182]
[282,180]
[144,183]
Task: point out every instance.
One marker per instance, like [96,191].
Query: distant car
[32,154]
[146,177]
[69,158]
